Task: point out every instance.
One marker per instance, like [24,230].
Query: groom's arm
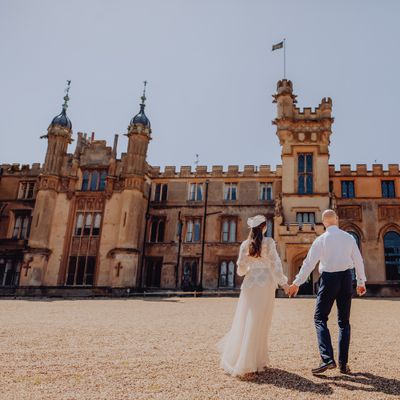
[313,256]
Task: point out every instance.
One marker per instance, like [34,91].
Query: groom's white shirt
[336,250]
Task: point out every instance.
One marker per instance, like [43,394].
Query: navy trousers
[334,286]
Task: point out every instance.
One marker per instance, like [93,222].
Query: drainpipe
[204,236]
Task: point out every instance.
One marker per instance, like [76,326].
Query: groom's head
[329,217]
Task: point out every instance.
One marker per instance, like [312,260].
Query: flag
[277,46]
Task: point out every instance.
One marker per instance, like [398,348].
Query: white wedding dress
[245,347]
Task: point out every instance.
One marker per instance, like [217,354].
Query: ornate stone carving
[350,213]
[389,212]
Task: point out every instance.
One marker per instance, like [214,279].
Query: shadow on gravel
[364,381]
[287,380]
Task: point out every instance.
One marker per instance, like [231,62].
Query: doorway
[189,273]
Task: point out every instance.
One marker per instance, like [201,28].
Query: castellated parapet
[362,170]
[217,171]
[18,169]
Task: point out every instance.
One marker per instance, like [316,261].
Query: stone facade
[89,220]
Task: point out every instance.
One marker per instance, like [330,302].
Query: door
[189,273]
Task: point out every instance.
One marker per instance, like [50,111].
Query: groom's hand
[361,290]
[293,289]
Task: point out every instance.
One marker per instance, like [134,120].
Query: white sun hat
[255,221]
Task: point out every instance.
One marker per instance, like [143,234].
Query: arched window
[391,242]
[85,181]
[356,237]
[94,182]
[103,177]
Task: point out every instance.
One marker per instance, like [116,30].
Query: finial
[197,160]
[66,97]
[143,98]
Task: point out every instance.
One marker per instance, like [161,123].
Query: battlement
[324,110]
[216,171]
[20,169]
[345,170]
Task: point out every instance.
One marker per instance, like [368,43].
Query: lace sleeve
[243,259]
[276,263]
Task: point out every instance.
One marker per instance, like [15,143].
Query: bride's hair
[255,239]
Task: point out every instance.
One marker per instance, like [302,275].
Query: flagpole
[284,58]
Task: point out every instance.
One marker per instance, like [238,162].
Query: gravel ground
[165,349]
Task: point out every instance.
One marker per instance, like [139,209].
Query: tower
[304,136]
[50,214]
[134,197]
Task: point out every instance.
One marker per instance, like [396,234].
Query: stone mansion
[89,222]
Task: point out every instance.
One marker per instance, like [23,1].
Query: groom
[337,253]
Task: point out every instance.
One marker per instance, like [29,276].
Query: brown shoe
[323,367]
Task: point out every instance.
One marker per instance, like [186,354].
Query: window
[153,271]
[265,191]
[227,274]
[388,189]
[189,273]
[270,226]
[230,191]
[26,190]
[305,173]
[21,227]
[94,180]
[9,271]
[391,242]
[193,229]
[229,230]
[81,270]
[161,192]
[87,223]
[196,192]
[157,230]
[305,218]
[348,189]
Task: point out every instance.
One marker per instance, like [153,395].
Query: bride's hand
[286,289]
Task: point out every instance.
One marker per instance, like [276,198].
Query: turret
[59,135]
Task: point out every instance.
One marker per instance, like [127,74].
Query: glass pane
[225,231]
[351,189]
[312,218]
[81,271]
[157,192]
[161,228]
[164,192]
[71,270]
[197,231]
[232,231]
[309,165]
[269,192]
[234,192]
[85,181]
[94,181]
[301,163]
[103,180]
[227,191]
[79,224]
[199,192]
[91,262]
[223,268]
[153,231]
[231,274]
[309,184]
[189,231]
[301,188]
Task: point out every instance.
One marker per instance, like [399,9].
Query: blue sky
[211,74]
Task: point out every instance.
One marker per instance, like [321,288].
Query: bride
[244,348]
